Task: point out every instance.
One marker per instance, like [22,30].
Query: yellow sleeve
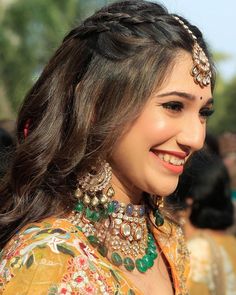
[198,288]
[42,273]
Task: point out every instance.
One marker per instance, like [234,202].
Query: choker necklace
[120,232]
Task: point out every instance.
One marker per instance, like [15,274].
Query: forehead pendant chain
[201,70]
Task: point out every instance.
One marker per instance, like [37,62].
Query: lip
[173,168]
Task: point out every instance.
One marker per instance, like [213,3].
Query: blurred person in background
[212,144]
[204,193]
[102,138]
[227,144]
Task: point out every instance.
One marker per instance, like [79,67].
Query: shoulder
[48,253]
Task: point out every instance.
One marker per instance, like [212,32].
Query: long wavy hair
[91,90]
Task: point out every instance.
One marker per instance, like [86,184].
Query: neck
[125,193]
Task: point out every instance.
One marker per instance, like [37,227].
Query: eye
[206,112]
[174,106]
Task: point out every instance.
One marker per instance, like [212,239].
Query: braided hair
[90,91]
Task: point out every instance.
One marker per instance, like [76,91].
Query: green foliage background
[30,31]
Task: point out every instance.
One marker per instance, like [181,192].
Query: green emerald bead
[141,265]
[150,237]
[104,214]
[79,207]
[96,216]
[93,240]
[79,228]
[102,250]
[148,260]
[111,208]
[159,220]
[150,251]
[129,264]
[152,246]
[116,259]
[89,213]
[153,255]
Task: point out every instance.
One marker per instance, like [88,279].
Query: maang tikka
[201,70]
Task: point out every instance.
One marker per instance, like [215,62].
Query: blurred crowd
[205,206]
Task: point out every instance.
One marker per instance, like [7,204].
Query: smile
[173,161]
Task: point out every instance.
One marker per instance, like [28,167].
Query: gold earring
[159,219]
[91,186]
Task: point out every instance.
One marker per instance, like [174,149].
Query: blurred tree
[224,118]
[30,31]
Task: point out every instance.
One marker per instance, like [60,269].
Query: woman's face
[150,156]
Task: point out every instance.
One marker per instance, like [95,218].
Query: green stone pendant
[141,265]
[116,259]
[159,220]
[129,263]
[102,250]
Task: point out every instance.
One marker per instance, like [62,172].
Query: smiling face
[150,155]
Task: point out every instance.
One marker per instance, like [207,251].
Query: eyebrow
[184,95]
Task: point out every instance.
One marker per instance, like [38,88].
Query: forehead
[179,77]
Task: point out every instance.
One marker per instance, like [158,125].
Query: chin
[166,191]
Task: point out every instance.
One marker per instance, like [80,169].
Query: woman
[208,214]
[102,137]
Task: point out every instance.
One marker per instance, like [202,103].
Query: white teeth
[171,159]
[167,158]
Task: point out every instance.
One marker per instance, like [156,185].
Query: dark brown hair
[91,90]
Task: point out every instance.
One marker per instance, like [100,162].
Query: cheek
[160,129]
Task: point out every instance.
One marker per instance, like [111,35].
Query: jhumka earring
[201,70]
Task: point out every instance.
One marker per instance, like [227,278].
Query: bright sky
[217,21]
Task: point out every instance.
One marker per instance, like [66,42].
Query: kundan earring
[94,192]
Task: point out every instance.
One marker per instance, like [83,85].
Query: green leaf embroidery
[115,275]
[30,261]
[65,250]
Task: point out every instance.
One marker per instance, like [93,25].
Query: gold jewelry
[122,236]
[159,204]
[92,185]
[201,70]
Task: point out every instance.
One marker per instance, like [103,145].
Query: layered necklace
[122,236]
[118,231]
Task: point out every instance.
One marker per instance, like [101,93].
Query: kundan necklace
[119,233]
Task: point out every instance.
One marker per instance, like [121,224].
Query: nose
[192,134]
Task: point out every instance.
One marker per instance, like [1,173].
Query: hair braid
[106,21]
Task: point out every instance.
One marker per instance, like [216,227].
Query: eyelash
[175,106]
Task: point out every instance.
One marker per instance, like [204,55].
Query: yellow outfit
[212,264]
[54,257]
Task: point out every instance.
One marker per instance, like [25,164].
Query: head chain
[201,70]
